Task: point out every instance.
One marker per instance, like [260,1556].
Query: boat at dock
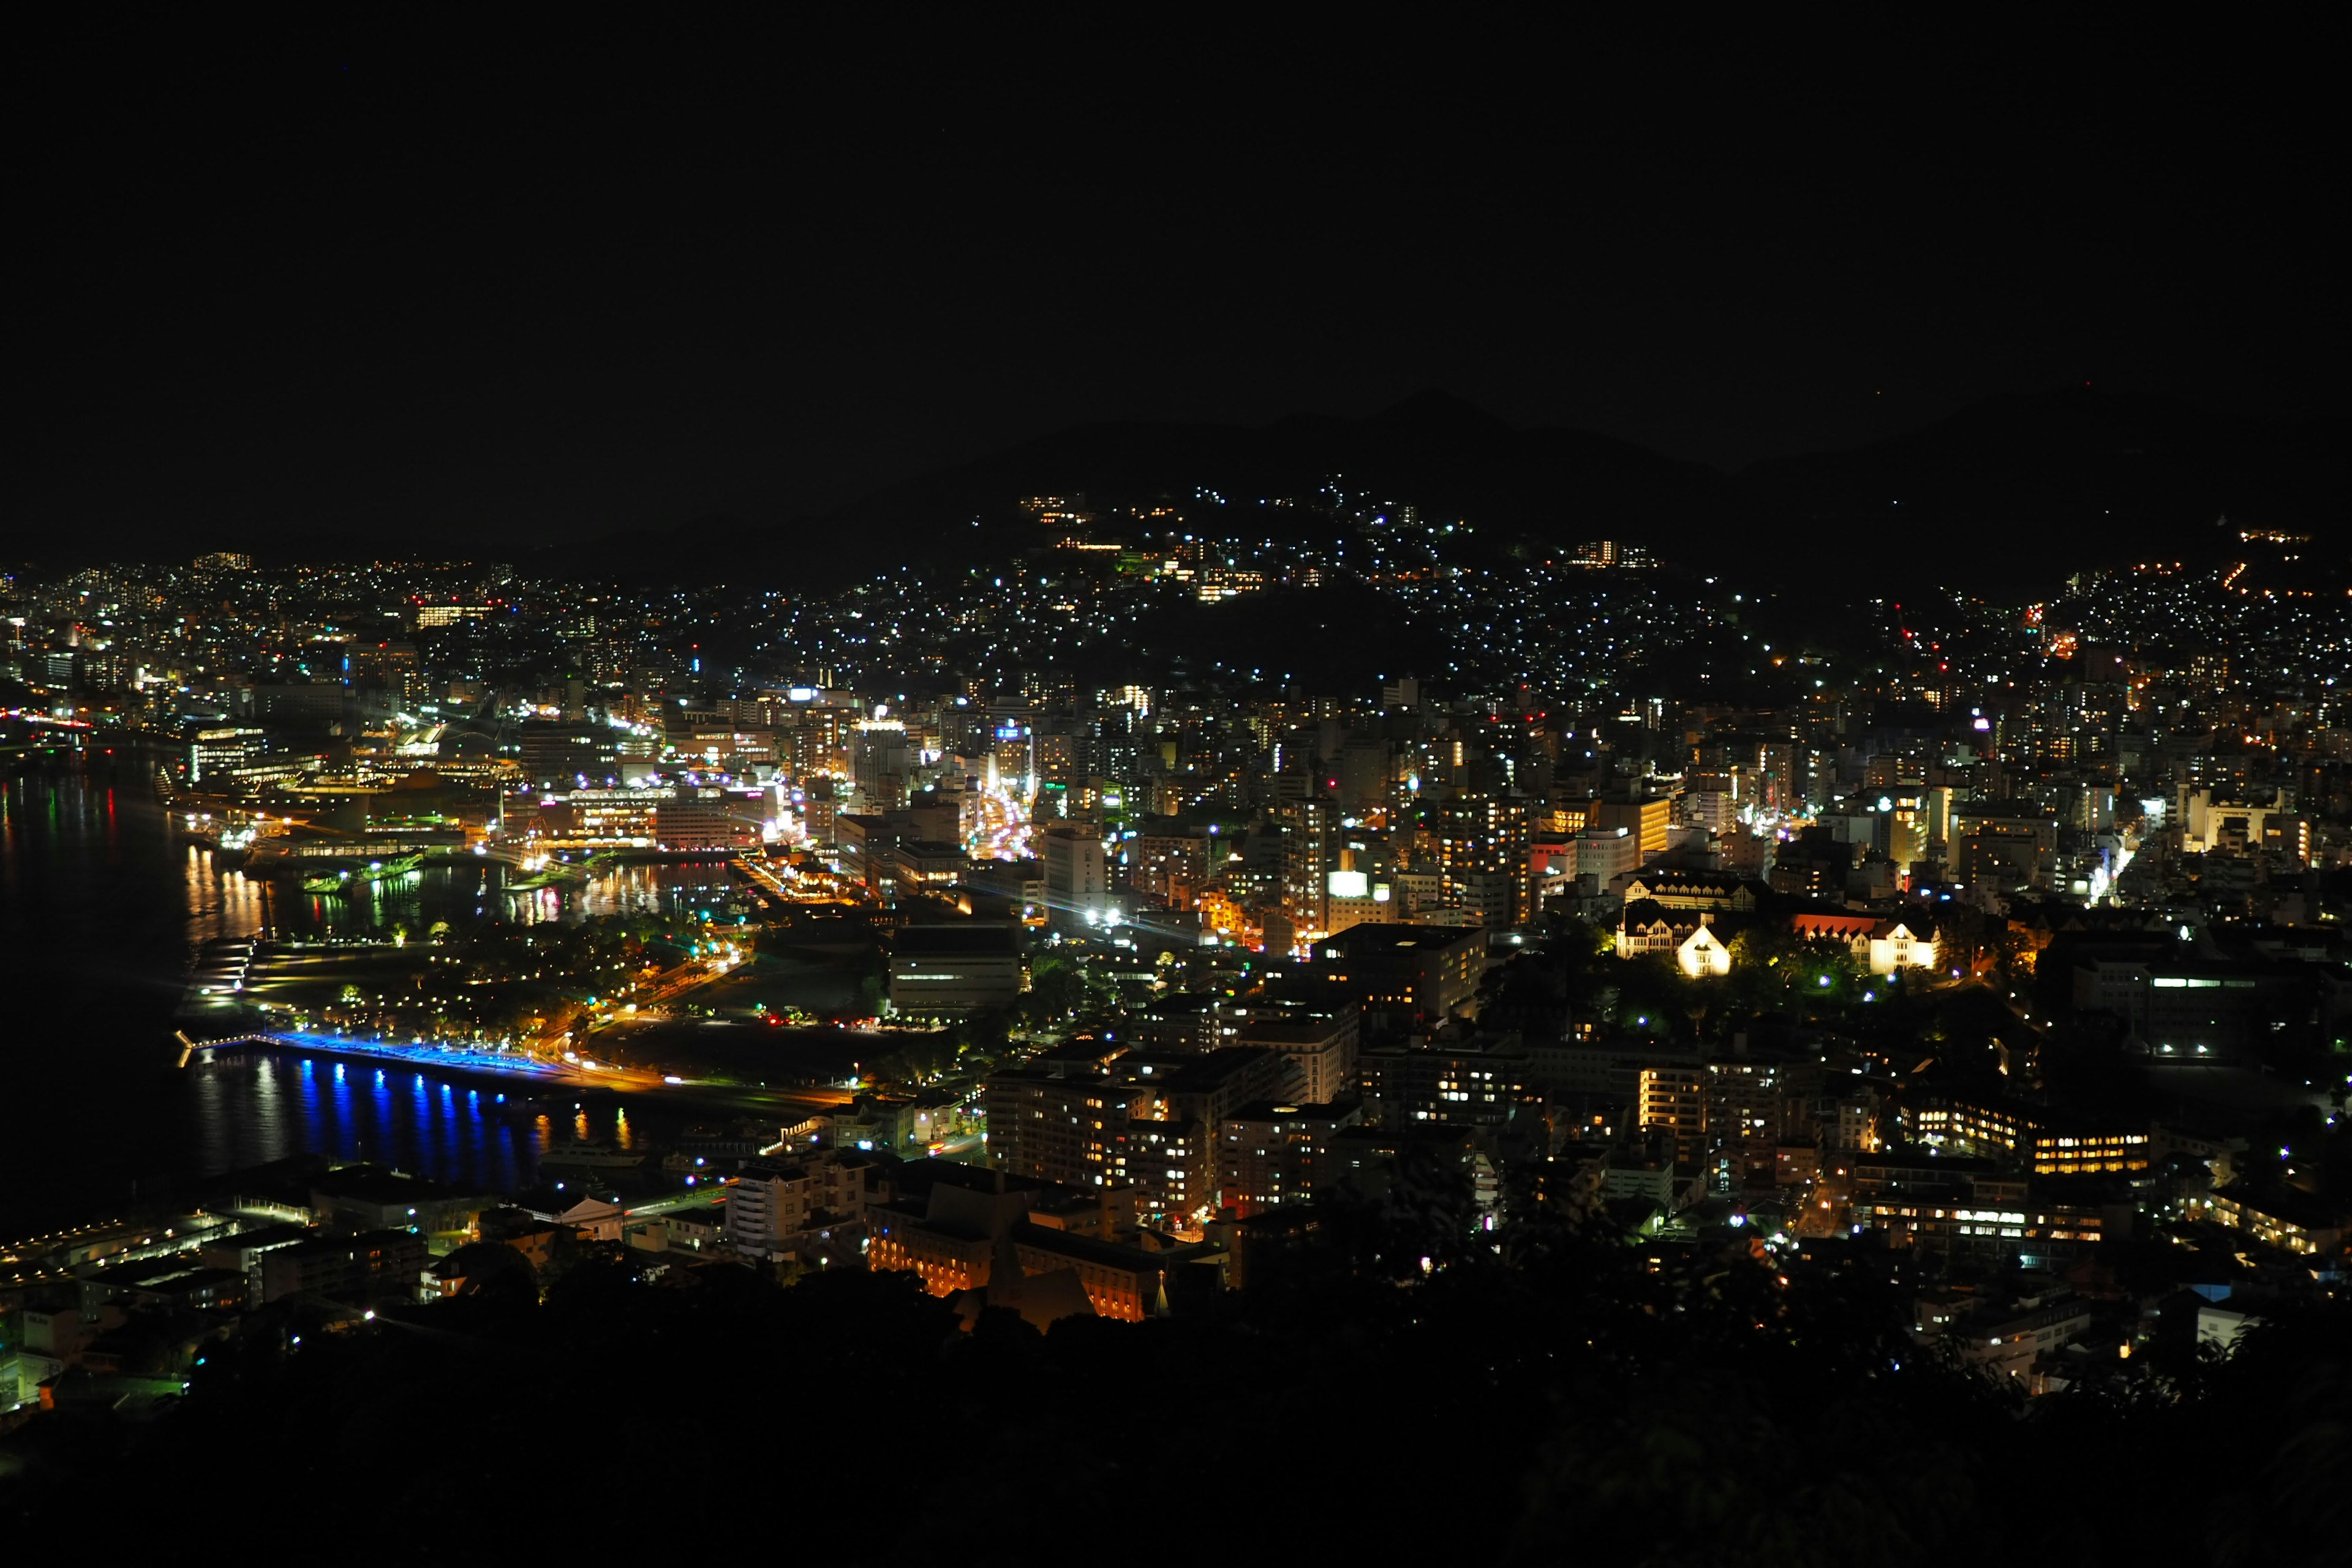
[344,879]
[549,873]
[585,1153]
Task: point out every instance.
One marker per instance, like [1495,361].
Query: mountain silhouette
[2005,496]
[1444,456]
[2020,486]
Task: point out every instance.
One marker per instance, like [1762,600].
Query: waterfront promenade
[439,1056]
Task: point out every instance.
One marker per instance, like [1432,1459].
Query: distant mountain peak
[1434,410]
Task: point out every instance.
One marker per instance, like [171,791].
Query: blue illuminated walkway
[443,1058]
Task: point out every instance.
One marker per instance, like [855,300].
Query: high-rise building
[1322,1042]
[1646,820]
[555,753]
[390,668]
[219,756]
[1309,827]
[1673,1104]
[1077,876]
[709,819]
[880,763]
[1484,832]
[1272,1153]
[1410,975]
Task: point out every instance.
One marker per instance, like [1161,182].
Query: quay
[437,1055]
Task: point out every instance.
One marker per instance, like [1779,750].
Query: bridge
[438,1055]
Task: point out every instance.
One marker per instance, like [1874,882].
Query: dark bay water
[101,910]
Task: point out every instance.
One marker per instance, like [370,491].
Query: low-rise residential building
[773,1202]
[2282,1218]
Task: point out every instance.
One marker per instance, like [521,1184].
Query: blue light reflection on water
[265,1106]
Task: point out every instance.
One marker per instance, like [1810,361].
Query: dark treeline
[1539,1394]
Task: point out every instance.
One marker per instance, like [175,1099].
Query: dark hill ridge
[2080,476]
[1442,454]
[2005,496]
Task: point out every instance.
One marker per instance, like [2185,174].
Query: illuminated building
[1078,876]
[1605,854]
[869,846]
[821,812]
[1215,583]
[1054,1117]
[1479,1082]
[1691,936]
[1413,975]
[1124,1284]
[2004,846]
[376,1265]
[2210,820]
[707,819]
[1307,827]
[2038,1233]
[2075,1149]
[370,1197]
[221,755]
[1673,1104]
[948,1237]
[1918,823]
[880,763]
[390,668]
[1483,833]
[1323,1044]
[1091,1113]
[817,741]
[1717,809]
[724,747]
[1672,889]
[1551,866]
[1170,868]
[1743,1114]
[772,1201]
[927,863]
[168,1284]
[957,967]
[1060,757]
[1171,1165]
[1646,820]
[2190,1009]
[1855,1117]
[2009,1348]
[2290,1220]
[1272,1153]
[2047,1143]
[1884,943]
[555,753]
[1353,898]
[602,819]
[1609,552]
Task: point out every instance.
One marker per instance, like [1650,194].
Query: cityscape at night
[1185,896]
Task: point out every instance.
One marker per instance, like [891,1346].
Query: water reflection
[223,898]
[265,1106]
[102,905]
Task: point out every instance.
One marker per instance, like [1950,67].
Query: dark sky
[339,297]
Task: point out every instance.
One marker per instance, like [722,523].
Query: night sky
[274,302]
